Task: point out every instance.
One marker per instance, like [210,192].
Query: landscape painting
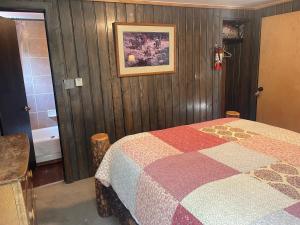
[145,49]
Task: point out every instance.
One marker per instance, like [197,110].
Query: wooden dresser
[16,189]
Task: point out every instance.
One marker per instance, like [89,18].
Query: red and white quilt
[221,172]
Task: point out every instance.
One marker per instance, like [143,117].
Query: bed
[222,172]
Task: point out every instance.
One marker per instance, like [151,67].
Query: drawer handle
[29,174]
[31,215]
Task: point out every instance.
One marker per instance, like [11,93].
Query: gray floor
[69,204]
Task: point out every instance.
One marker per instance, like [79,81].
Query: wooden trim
[146,24]
[265,5]
[176,4]
[115,26]
[193,5]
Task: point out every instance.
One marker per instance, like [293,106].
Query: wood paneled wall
[81,44]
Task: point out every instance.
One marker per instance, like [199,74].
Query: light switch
[69,84]
[78,82]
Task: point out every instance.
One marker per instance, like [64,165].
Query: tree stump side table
[99,146]
[232,114]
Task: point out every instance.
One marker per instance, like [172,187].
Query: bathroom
[34,55]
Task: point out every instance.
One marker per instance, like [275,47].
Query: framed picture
[145,49]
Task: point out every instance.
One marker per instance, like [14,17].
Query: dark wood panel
[296,5]
[168,78]
[203,65]
[134,82]
[143,82]
[93,59]
[81,44]
[209,57]
[196,63]
[83,72]
[159,79]
[115,82]
[175,78]
[148,18]
[189,67]
[181,28]
[105,70]
[216,75]
[61,95]
[76,99]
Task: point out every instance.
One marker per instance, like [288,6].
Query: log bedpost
[99,146]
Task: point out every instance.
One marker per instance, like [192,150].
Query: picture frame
[145,49]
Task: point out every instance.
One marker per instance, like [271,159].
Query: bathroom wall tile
[36,72]
[33,121]
[44,121]
[20,27]
[37,47]
[35,29]
[29,87]
[26,67]
[23,47]
[40,66]
[31,102]
[45,102]
[42,84]
[22,39]
[27,79]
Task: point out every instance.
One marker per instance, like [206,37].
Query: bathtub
[46,144]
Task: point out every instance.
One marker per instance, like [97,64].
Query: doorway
[278,101]
[236,71]
[34,56]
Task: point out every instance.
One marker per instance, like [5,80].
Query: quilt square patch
[294,210]
[282,177]
[213,122]
[145,150]
[239,199]
[187,139]
[238,157]
[228,133]
[154,205]
[268,131]
[124,181]
[283,151]
[181,174]
[184,217]
[278,218]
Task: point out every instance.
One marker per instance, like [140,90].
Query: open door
[278,101]
[14,112]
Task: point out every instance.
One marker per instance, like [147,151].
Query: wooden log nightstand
[232,114]
[108,202]
[99,145]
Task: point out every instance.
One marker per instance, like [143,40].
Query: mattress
[221,172]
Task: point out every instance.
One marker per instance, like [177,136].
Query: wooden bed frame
[108,202]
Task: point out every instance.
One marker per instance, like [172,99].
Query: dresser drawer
[12,205]
[29,197]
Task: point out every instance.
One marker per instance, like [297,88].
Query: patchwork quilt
[221,172]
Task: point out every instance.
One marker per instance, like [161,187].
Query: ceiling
[221,3]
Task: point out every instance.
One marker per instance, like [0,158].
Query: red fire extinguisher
[218,58]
